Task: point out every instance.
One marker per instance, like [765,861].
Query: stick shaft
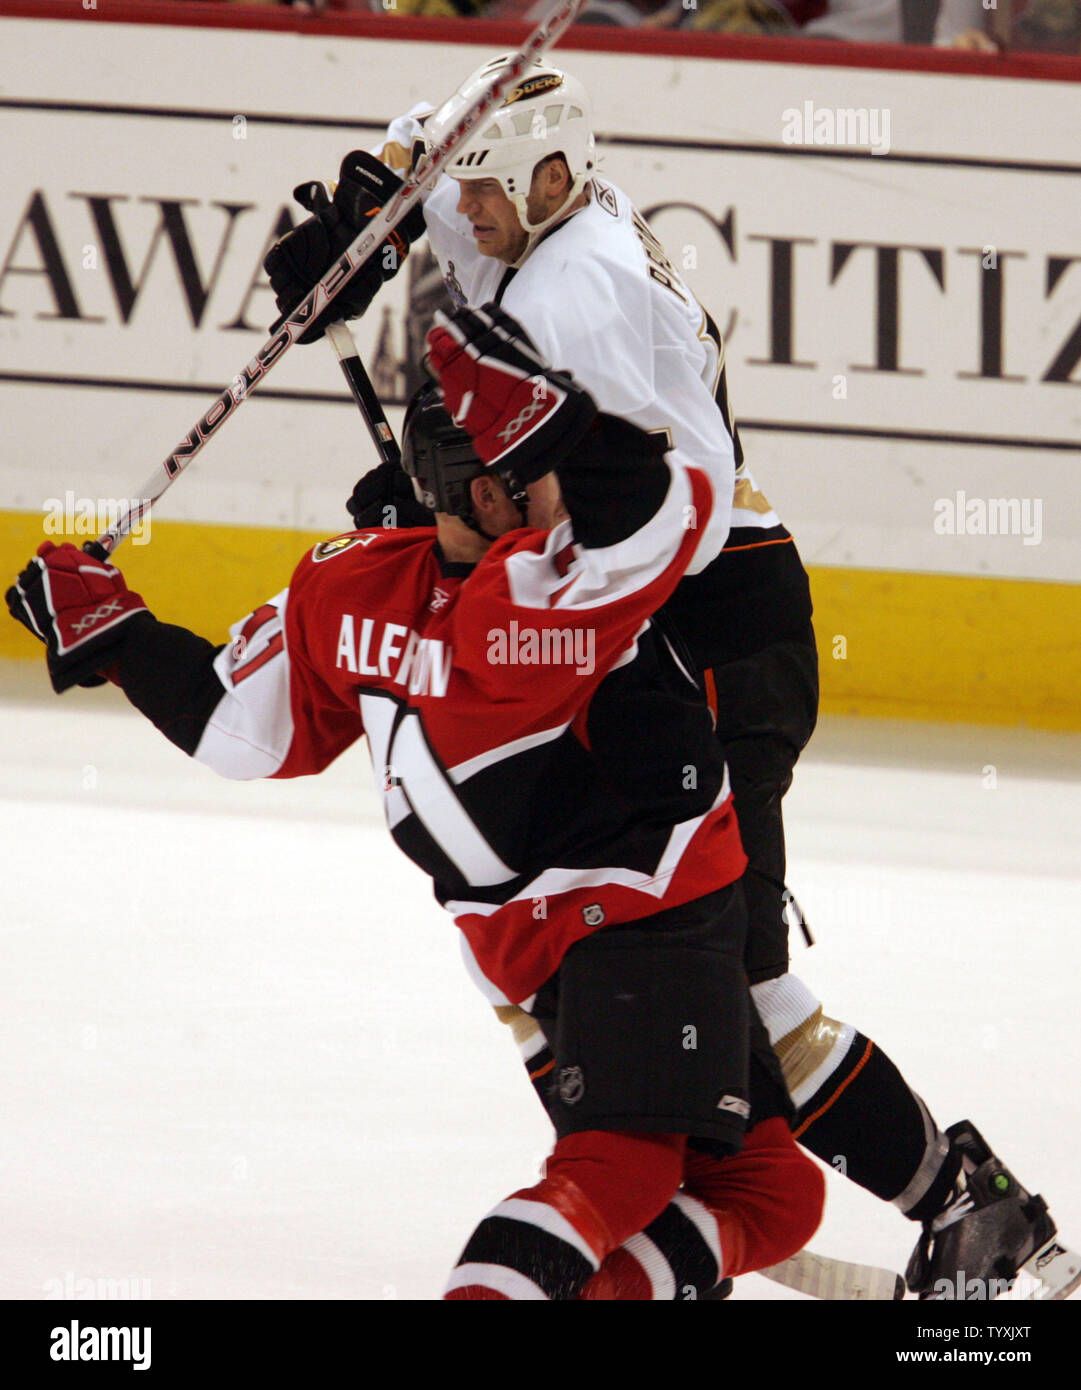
[355,373]
[312,305]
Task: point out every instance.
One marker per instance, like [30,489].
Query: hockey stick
[355,373]
[819,1276]
[1050,1275]
[562,15]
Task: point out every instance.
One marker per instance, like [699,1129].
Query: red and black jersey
[542,754]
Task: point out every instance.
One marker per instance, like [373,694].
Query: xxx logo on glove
[96,617]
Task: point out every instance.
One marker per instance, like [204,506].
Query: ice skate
[992,1239]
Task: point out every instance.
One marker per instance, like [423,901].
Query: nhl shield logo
[571,1085]
[593,915]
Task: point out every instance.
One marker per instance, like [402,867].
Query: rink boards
[903,318]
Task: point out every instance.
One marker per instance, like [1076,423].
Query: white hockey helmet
[546,112]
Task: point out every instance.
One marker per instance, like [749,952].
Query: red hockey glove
[78,606]
[523,417]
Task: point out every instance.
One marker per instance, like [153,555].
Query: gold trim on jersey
[523,1026]
[807,1048]
[396,157]
[747,498]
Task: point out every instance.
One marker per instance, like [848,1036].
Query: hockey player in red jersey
[616,921]
[522,217]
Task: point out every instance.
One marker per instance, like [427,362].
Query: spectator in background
[435,9]
[440,9]
[622,12]
[736,16]
[860,21]
[1050,26]
[302,5]
[431,9]
[730,16]
[876,21]
[1047,25]
[943,22]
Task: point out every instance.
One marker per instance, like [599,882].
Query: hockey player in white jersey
[522,219]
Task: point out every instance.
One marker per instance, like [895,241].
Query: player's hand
[523,417]
[385,497]
[79,607]
[297,262]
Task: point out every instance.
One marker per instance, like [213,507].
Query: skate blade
[1052,1273]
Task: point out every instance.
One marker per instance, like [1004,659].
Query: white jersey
[600,299]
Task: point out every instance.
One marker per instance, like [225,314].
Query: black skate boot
[989,1229]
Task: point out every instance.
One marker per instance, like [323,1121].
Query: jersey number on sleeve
[242,645]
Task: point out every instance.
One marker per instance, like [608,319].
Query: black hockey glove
[523,417]
[79,607]
[297,262]
[385,497]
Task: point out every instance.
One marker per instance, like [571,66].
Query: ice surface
[239,1056]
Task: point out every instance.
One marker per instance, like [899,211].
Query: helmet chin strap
[474,525]
[534,229]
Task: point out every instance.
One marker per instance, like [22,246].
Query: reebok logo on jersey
[396,653]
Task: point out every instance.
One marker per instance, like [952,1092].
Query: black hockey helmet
[437,455]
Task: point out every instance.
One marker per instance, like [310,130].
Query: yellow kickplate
[894,644]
